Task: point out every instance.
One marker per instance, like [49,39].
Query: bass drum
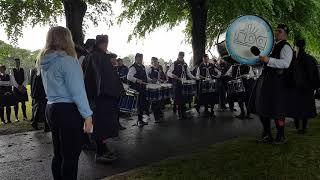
[243,33]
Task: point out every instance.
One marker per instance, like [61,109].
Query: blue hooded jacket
[63,81]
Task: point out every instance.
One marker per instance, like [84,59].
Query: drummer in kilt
[138,79]
[207,71]
[20,93]
[272,89]
[156,73]
[176,71]
[6,95]
[245,74]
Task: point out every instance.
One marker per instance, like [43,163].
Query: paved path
[28,155]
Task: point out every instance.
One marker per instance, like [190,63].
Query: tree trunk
[199,13]
[74,12]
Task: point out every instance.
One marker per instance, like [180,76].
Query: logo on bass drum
[246,32]
[248,37]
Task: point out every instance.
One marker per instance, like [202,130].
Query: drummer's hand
[139,81]
[88,126]
[264,59]
[175,77]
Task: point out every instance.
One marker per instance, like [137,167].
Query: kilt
[7,99]
[105,117]
[272,94]
[20,96]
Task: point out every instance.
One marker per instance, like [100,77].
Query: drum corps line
[152,87]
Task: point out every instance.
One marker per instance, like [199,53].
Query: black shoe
[46,130]
[212,116]
[233,110]
[198,109]
[141,123]
[121,128]
[280,140]
[157,121]
[249,117]
[35,126]
[265,140]
[106,158]
[241,116]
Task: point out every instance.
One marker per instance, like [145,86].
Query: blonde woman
[67,112]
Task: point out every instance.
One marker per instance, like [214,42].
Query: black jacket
[100,78]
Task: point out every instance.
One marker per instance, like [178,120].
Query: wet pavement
[28,155]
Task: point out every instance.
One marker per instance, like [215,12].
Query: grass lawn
[242,158]
[21,126]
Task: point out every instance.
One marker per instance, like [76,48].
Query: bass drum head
[245,32]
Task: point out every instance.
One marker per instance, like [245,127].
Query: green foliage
[303,16]
[8,53]
[16,14]
[128,60]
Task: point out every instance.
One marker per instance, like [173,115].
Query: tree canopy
[302,16]
[16,14]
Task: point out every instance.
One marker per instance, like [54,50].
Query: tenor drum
[208,86]
[242,34]
[128,103]
[235,86]
[153,92]
[167,91]
[189,87]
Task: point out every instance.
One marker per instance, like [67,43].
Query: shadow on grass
[242,158]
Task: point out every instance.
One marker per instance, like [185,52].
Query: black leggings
[8,113]
[304,123]
[66,125]
[23,107]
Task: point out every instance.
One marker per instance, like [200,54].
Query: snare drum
[128,103]
[153,92]
[167,91]
[235,86]
[189,87]
[208,86]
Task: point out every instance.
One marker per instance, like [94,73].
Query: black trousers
[157,109]
[304,123]
[222,93]
[23,107]
[66,126]
[142,105]
[38,111]
[8,113]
